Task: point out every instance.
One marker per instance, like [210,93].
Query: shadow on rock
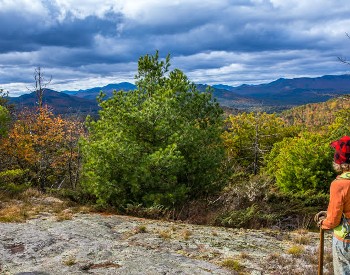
[33,273]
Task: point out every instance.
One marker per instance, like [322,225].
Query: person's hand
[320,217]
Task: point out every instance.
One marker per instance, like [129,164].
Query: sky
[91,43]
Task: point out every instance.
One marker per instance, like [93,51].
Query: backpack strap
[345,175]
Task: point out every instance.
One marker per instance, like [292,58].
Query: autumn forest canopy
[167,149]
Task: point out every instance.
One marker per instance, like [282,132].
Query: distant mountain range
[280,94]
[296,91]
[60,103]
[92,93]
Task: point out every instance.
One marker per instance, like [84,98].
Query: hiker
[337,215]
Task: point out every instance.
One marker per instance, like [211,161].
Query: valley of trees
[168,150]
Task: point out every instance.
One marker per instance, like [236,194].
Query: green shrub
[302,164]
[12,176]
[14,181]
[4,118]
[294,211]
[239,218]
[285,211]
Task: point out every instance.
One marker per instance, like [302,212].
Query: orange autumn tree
[46,146]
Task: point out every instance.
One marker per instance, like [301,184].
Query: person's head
[341,162]
[341,168]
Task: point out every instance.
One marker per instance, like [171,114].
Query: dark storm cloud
[211,40]
[75,32]
[24,34]
[234,29]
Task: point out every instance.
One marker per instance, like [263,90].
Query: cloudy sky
[88,43]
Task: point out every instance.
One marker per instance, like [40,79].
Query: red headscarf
[342,150]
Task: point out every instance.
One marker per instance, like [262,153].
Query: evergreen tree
[160,144]
[4,120]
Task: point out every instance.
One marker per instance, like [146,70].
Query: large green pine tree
[160,144]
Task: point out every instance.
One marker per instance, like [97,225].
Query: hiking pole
[320,254]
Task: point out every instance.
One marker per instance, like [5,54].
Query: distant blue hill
[225,97]
[277,95]
[60,103]
[282,92]
[92,93]
[296,91]
[223,87]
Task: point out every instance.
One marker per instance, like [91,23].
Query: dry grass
[301,237]
[64,215]
[232,264]
[186,234]
[301,231]
[20,211]
[30,193]
[244,255]
[71,260]
[81,209]
[303,262]
[273,257]
[296,250]
[280,259]
[13,213]
[54,208]
[30,203]
[173,228]
[328,257]
[311,258]
[140,229]
[164,234]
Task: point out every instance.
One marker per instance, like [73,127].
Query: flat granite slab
[113,244]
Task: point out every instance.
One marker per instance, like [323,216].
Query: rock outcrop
[112,244]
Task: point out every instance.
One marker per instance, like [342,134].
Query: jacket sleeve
[335,206]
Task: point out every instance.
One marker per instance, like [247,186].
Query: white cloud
[25,6]
[84,8]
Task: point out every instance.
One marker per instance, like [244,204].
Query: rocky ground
[44,235]
[112,244]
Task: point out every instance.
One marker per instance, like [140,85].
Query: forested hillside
[316,115]
[167,150]
[59,103]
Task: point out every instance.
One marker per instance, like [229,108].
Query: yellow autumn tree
[45,145]
[250,136]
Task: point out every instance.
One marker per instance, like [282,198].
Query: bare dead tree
[40,85]
[341,58]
